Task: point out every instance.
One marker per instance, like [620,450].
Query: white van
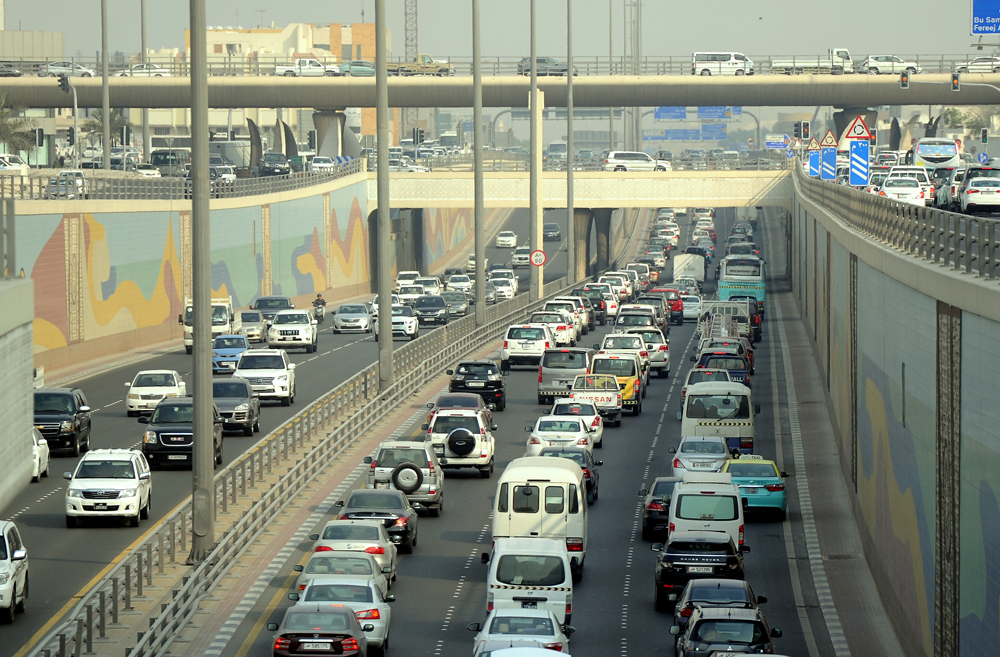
[525,344]
[707,501]
[543,497]
[720,408]
[530,573]
[721,63]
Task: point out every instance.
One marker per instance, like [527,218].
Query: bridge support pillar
[842,119]
[602,221]
[583,219]
[333,137]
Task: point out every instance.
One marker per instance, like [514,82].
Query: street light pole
[535,275]
[105,94]
[570,218]
[385,373]
[477,146]
[203,457]
[147,139]
[76,130]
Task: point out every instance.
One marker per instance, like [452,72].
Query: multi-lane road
[65,561]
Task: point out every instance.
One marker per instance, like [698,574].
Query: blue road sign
[673,135]
[776,142]
[985,16]
[713,132]
[737,110]
[859,162]
[670,113]
[828,164]
[790,153]
[983,157]
[714,112]
[814,163]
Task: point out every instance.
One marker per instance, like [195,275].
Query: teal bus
[741,275]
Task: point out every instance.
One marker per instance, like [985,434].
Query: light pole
[535,275]
[611,55]
[147,139]
[477,147]
[203,457]
[570,218]
[385,374]
[105,94]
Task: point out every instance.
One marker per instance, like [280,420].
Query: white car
[692,306]
[504,288]
[509,275]
[881,64]
[404,323]
[360,594]
[521,257]
[470,263]
[367,536]
[408,294]
[395,302]
[39,455]
[109,482]
[13,572]
[463,438]
[519,629]
[459,283]
[980,195]
[320,163]
[293,329]
[558,431]
[525,344]
[700,454]
[560,323]
[432,284]
[69,69]
[906,190]
[633,161]
[986,64]
[585,410]
[406,278]
[149,387]
[146,71]
[147,170]
[506,239]
[270,373]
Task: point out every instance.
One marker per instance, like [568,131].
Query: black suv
[656,506]
[63,418]
[691,555]
[269,307]
[169,438]
[599,309]
[432,308]
[714,630]
[551,232]
[481,377]
[238,404]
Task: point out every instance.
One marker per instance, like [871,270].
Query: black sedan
[389,506]
[656,506]
[238,404]
[694,555]
[551,232]
[320,629]
[585,460]
[713,592]
[481,377]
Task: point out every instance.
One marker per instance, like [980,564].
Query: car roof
[716,387]
[154,372]
[60,390]
[353,521]
[384,492]
[99,453]
[263,352]
[728,613]
[341,579]
[480,361]
[529,545]
[699,536]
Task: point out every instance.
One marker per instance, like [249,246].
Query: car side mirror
[314,322]
[143,419]
[672,597]
[494,427]
[746,502]
[642,492]
[424,427]
[756,409]
[313,537]
[597,346]
[672,450]
[449,372]
[761,600]
[776,632]
[68,476]
[473,627]
[656,547]
[390,598]
[744,549]
[735,452]
[367,627]
[675,629]
[568,630]
[128,384]
[430,404]
[387,570]
[272,627]
[291,366]
[528,429]
[297,568]
[85,409]
[504,372]
[694,359]
[597,463]
[368,461]
[144,475]
[339,503]
[678,415]
[294,597]
[784,474]
[484,557]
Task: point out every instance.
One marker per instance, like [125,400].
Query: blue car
[761,484]
[226,350]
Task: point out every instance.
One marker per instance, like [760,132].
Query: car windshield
[525,333]
[272,304]
[543,318]
[429,302]
[635,320]
[707,507]
[701,375]
[229,343]
[317,621]
[251,318]
[390,458]
[901,183]
[402,311]
[346,531]
[154,381]
[615,366]
[564,360]
[595,383]
[339,566]
[363,500]
[663,489]
[719,407]
[726,363]
[522,625]
[477,368]
[574,408]
[352,310]
[411,289]
[651,337]
[697,446]
[458,401]
[738,469]
[292,318]
[274,158]
[459,279]
[524,570]
[230,389]
[621,342]
[173,414]
[577,457]
[49,403]
[261,363]
[719,595]
[729,631]
[454,297]
[572,426]
[105,469]
[338,593]
[448,423]
[427,282]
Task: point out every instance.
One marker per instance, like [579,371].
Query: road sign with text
[538,257]
[814,163]
[859,162]
[985,17]
[828,163]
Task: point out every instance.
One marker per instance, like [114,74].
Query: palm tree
[94,124]
[15,128]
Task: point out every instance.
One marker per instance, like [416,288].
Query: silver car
[700,454]
[343,564]
[361,595]
[559,368]
[352,317]
[254,327]
[412,468]
[69,69]
[458,303]
[353,535]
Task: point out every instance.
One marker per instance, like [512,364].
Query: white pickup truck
[603,391]
[307,68]
[836,62]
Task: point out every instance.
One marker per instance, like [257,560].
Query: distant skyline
[765,27]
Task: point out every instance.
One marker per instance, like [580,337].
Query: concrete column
[602,221]
[583,219]
[330,126]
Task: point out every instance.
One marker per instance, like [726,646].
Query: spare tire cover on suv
[461,442]
[407,477]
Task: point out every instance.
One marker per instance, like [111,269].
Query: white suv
[404,323]
[521,257]
[13,572]
[524,344]
[633,161]
[270,373]
[463,438]
[109,482]
[292,329]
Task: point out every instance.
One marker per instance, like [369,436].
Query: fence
[957,241]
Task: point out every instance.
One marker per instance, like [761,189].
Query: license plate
[728,653]
[752,490]
[701,465]
[700,569]
[177,457]
[312,645]
[231,366]
[381,484]
[261,387]
[529,605]
[475,384]
[100,506]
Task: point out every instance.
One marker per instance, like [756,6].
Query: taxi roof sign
[829,140]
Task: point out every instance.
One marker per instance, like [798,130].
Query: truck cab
[224,320]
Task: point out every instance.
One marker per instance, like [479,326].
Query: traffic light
[418,136]
[805,130]
[64,83]
[956,82]
[126,135]
[798,130]
[72,136]
[904,80]
[40,137]
[312,140]
[985,136]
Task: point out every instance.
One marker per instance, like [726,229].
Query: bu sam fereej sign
[985,16]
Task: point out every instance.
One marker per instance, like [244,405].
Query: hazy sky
[670,27]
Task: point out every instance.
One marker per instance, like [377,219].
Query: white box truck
[690,265]
[224,320]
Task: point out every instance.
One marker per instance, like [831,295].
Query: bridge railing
[959,242]
[167,188]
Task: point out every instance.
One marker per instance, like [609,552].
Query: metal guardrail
[168,188]
[341,416]
[957,241]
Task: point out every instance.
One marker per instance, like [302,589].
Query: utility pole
[570,218]
[535,276]
[147,139]
[105,94]
[477,147]
[611,55]
[385,374]
[203,457]
[410,52]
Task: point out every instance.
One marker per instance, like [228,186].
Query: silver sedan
[521,628]
[700,454]
[352,317]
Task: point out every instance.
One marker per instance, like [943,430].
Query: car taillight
[746,442]
[547,344]
[402,522]
[644,354]
[375,549]
[686,611]
[561,328]
[678,464]
[741,534]
[323,548]
[374,463]
[343,517]
[539,373]
[921,195]
[654,506]
[489,602]
[619,399]
[281,643]
[368,614]
[881,193]
[586,473]
[597,421]
[504,344]
[534,441]
[671,527]
[302,587]
[774,488]
[349,644]
[664,347]
[583,441]
[969,191]
[635,387]
[574,545]
[569,605]
[553,646]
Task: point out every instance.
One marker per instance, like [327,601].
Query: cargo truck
[224,320]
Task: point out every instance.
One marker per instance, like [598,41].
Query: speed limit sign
[538,258]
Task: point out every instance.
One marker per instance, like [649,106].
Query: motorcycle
[319,312]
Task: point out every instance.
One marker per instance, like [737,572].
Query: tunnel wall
[911,384]
[16,413]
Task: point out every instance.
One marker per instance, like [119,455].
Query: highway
[438,593]
[66,561]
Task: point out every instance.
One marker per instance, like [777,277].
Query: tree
[95,124]
[15,128]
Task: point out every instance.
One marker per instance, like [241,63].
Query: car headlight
[72,492]
[133,396]
[128,492]
[493,377]
[458,377]
[150,437]
[242,407]
[281,377]
[4,577]
[68,425]
[215,354]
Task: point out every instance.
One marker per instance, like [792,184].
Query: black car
[656,506]
[453,271]
[551,232]
[729,593]
[169,438]
[274,164]
[320,629]
[598,308]
[269,306]
[712,631]
[389,506]
[481,377]
[238,405]
[432,308]
[694,555]
[585,460]
[63,418]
